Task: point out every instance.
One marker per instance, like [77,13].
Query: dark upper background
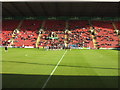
[110,9]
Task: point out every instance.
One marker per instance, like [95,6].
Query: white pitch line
[53,70]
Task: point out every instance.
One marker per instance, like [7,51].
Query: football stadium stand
[105,34]
[8,26]
[73,33]
[27,35]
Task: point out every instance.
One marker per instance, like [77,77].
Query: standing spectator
[6,48]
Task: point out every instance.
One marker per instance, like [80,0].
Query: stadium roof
[60,8]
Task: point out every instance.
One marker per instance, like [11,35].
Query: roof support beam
[15,6]
[44,10]
[10,14]
[57,9]
[31,11]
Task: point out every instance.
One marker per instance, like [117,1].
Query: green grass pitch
[31,68]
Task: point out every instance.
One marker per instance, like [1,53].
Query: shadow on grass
[58,81]
[61,65]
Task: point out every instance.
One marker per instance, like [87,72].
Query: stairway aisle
[40,34]
[15,32]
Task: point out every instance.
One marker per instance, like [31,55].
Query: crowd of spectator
[7,30]
[106,37]
[80,38]
[27,34]
[54,33]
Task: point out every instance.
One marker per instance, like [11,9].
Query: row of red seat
[7,29]
[28,35]
[105,34]
[103,24]
[79,35]
[117,23]
[76,24]
[55,25]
